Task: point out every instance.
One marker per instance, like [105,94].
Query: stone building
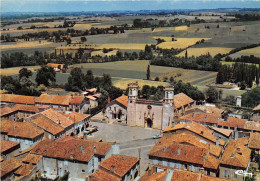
[79,157]
[117,168]
[22,132]
[148,113]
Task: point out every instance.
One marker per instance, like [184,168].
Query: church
[147,113]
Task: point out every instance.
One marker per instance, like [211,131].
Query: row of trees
[239,73]
[203,62]
[244,59]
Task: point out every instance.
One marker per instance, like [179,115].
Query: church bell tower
[168,106]
[131,104]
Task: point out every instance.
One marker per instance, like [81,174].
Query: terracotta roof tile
[184,176]
[121,163]
[6,145]
[47,125]
[202,117]
[3,91]
[122,100]
[58,118]
[211,162]
[8,166]
[19,129]
[53,99]
[251,125]
[232,122]
[257,108]
[71,148]
[181,99]
[254,141]
[160,176]
[91,98]
[210,178]
[76,99]
[77,117]
[197,129]
[236,154]
[226,132]
[31,158]
[18,107]
[54,65]
[101,175]
[187,139]
[92,90]
[24,170]
[19,99]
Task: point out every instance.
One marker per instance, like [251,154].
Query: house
[181,103]
[254,142]
[210,119]
[197,130]
[54,123]
[22,132]
[79,104]
[80,121]
[117,109]
[9,149]
[117,167]
[256,114]
[235,157]
[17,99]
[204,109]
[156,173]
[224,134]
[19,112]
[56,67]
[79,157]
[8,167]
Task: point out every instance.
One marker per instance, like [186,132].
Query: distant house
[22,132]
[235,157]
[254,142]
[9,149]
[56,67]
[81,160]
[117,109]
[204,109]
[117,168]
[224,134]
[256,114]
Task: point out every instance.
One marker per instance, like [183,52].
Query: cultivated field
[24,45]
[180,43]
[247,52]
[15,70]
[102,54]
[122,83]
[203,51]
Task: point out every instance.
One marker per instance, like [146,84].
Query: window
[225,173]
[235,175]
[83,171]
[99,159]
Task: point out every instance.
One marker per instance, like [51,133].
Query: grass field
[181,28]
[180,43]
[203,51]
[24,45]
[122,83]
[15,70]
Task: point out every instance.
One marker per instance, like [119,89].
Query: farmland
[203,51]
[180,42]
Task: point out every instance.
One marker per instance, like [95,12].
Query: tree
[76,80]
[89,79]
[83,39]
[148,72]
[24,72]
[212,94]
[186,54]
[251,98]
[44,75]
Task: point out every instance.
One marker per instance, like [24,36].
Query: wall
[113,109]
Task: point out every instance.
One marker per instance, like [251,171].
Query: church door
[149,123]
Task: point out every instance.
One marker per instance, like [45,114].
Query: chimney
[217,141]
[178,151]
[149,172]
[95,149]
[112,168]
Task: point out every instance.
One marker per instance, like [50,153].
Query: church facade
[150,113]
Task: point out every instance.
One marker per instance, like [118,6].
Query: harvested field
[247,52]
[100,53]
[15,70]
[24,45]
[203,51]
[180,43]
[122,83]
[181,28]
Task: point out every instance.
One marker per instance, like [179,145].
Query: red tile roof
[257,108]
[236,154]
[101,175]
[91,98]
[71,149]
[232,122]
[54,65]
[187,139]
[19,129]
[76,99]
[254,141]
[31,158]
[19,99]
[18,107]
[121,163]
[24,170]
[53,99]
[122,100]
[184,176]
[160,176]
[181,99]
[77,117]
[197,129]
[58,118]
[226,132]
[251,125]
[47,125]
[210,178]
[6,145]
[9,166]
[202,117]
